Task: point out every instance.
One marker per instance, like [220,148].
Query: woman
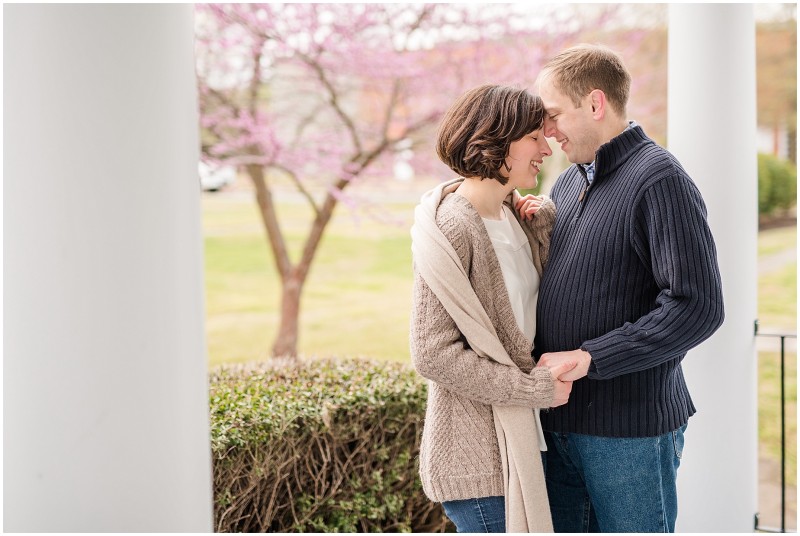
[477,268]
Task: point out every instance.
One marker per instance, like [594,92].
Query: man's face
[572,127]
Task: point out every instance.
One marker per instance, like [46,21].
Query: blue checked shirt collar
[589,168]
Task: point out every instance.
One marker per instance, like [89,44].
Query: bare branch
[306,121]
[334,99]
[427,9]
[255,81]
[298,183]
[221,97]
[390,107]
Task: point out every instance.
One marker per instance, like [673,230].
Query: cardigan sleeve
[671,236]
[441,353]
[541,227]
[538,230]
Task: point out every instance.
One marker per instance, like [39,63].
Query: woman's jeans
[484,514]
[612,484]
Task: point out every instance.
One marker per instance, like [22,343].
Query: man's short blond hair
[583,68]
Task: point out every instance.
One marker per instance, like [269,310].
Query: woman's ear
[598,103]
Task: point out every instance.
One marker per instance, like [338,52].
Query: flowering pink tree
[324,95]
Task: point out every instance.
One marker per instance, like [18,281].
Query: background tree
[324,95]
[776,60]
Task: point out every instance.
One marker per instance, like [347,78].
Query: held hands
[528,206]
[562,389]
[581,358]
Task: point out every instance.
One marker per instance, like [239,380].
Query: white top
[520,276]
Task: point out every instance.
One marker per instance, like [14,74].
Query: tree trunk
[286,341]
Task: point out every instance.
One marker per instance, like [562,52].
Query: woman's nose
[545,147]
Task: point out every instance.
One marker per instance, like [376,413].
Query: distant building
[773,140]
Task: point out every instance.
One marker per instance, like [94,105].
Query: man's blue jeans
[610,484]
[484,514]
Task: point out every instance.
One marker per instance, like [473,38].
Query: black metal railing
[782,337]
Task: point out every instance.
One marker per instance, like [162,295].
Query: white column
[712,131]
[105,384]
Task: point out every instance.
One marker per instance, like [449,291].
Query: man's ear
[597,100]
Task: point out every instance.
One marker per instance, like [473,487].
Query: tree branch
[270,221]
[302,189]
[334,98]
[387,119]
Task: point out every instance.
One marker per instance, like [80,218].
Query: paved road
[776,261]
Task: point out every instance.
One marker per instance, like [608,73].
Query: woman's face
[525,157]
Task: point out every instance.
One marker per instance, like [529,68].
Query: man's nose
[549,127]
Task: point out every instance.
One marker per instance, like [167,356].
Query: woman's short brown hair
[477,130]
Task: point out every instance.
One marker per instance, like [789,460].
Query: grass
[769,407]
[777,313]
[777,289]
[776,240]
[357,297]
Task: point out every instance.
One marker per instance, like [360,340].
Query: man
[632,284]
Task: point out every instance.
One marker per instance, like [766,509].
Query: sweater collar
[614,153]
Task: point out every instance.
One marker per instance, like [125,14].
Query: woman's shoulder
[456,216]
[460,223]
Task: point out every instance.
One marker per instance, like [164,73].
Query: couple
[616,278]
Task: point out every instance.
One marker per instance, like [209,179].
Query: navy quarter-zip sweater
[632,279]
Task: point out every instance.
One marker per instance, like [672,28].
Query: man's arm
[671,235]
[555,359]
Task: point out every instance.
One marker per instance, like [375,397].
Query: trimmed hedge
[777,184]
[319,446]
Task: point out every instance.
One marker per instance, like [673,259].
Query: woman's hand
[528,206]
[561,389]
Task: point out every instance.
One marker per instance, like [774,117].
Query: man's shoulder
[652,162]
[570,171]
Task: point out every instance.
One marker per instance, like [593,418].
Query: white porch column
[105,386]
[712,131]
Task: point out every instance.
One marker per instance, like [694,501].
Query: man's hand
[581,357]
[562,389]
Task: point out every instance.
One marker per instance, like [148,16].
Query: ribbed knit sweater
[459,454]
[633,280]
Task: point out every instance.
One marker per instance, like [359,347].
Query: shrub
[777,184]
[319,446]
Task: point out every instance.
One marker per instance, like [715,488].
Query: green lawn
[769,400]
[777,313]
[776,240]
[777,289]
[357,297]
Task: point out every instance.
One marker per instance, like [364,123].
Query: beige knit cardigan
[479,437]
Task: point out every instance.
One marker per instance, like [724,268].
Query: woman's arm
[441,353]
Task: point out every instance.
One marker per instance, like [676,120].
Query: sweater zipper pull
[583,194]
